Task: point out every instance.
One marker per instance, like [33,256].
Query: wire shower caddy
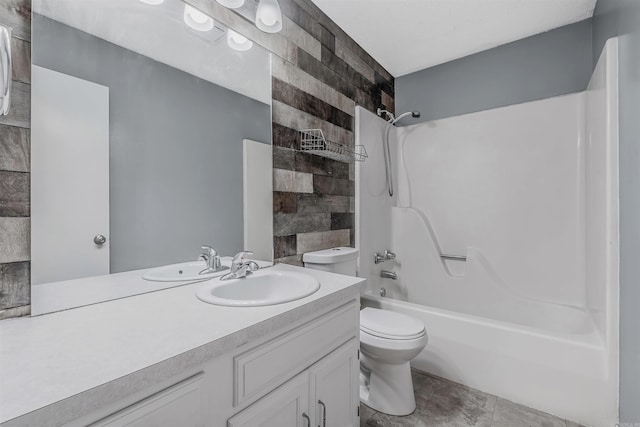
[313,141]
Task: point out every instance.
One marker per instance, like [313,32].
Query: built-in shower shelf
[313,141]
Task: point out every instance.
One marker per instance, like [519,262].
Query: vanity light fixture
[238,41]
[269,16]
[152,2]
[231,4]
[196,19]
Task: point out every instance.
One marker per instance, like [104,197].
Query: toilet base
[386,387]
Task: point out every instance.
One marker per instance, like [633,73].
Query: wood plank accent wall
[319,75]
[15,210]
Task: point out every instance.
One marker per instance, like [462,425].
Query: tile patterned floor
[440,402]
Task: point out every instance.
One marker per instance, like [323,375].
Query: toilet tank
[335,260]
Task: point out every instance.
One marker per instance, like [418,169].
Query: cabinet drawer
[178,405]
[261,369]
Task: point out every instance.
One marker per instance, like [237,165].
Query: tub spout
[388,275]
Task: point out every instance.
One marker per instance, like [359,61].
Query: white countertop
[66,294]
[46,359]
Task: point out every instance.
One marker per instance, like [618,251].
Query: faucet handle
[209,251]
[382,257]
[240,256]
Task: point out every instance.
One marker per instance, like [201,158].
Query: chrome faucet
[240,268]
[211,257]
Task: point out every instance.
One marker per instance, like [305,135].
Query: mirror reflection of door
[70,177]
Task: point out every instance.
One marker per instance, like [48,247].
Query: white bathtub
[564,374]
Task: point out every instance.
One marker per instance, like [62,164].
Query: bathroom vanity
[167,358]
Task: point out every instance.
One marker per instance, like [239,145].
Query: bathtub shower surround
[502,188]
[529,195]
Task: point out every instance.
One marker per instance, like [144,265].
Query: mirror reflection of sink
[185,272]
[264,287]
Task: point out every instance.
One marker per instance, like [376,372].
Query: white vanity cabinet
[302,375]
[335,389]
[324,395]
[306,376]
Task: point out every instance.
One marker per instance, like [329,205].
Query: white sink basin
[264,287]
[185,272]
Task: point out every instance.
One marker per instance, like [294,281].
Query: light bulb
[238,41]
[196,19]
[231,4]
[269,16]
[152,2]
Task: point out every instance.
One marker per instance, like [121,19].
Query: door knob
[99,239]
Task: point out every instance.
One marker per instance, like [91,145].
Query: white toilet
[388,342]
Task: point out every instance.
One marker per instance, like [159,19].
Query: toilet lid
[388,324]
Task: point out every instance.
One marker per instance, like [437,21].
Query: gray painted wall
[175,148]
[612,18]
[549,64]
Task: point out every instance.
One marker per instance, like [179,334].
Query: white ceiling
[409,35]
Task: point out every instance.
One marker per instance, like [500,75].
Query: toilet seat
[368,341]
[393,337]
[390,325]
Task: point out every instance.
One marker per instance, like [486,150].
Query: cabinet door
[286,406]
[334,388]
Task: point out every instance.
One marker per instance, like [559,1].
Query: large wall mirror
[151,136]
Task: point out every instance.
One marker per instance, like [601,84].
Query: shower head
[392,119]
[414,114]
